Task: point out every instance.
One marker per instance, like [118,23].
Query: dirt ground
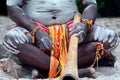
[103,73]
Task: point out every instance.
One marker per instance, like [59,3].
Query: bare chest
[52,11]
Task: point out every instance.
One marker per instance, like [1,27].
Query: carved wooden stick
[71,69]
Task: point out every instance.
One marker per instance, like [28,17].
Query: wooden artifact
[71,69]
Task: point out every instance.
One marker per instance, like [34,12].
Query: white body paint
[47,12]
[89,1]
[103,34]
[14,2]
[10,48]
[50,12]
[17,36]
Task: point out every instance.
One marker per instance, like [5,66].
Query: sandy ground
[103,73]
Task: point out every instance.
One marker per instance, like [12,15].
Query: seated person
[44,26]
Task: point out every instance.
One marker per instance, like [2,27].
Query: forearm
[90,12]
[20,18]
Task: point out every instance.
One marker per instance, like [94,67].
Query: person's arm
[16,13]
[90,9]
[21,19]
[88,17]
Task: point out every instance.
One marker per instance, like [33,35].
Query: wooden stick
[71,69]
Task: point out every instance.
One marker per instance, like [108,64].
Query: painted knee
[9,45]
[12,38]
[107,36]
[112,42]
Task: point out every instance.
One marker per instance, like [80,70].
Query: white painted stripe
[9,48]
[96,35]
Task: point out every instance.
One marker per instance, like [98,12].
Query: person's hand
[43,40]
[80,29]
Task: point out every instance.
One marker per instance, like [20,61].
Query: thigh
[87,49]
[86,54]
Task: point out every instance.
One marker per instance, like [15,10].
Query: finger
[44,42]
[42,46]
[81,36]
[80,33]
[46,45]
[49,44]
[75,31]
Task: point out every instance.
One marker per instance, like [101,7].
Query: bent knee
[17,35]
[12,38]
[107,36]
[112,40]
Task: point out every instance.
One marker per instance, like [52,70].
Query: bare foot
[87,72]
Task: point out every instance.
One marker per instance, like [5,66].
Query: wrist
[89,23]
[33,32]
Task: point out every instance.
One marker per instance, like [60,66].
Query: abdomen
[50,12]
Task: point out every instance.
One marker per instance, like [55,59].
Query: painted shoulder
[14,2]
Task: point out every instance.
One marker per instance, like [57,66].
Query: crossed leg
[17,41]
